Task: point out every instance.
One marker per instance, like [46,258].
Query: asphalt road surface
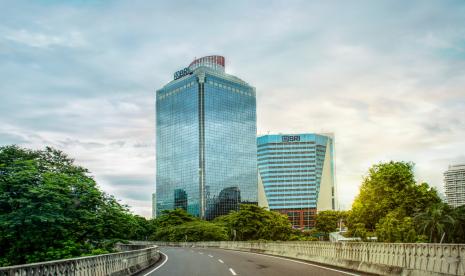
[205,261]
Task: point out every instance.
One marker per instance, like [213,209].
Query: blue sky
[387,77]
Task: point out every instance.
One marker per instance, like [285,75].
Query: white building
[454,185]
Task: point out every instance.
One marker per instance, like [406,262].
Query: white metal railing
[423,258]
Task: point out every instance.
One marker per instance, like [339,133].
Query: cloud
[41,40]
[387,78]
[7,138]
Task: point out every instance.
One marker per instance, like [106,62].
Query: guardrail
[378,258]
[121,263]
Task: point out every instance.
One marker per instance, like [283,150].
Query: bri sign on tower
[294,138]
[181,73]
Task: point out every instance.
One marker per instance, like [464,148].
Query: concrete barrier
[117,264]
[410,259]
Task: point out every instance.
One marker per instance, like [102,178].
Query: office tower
[206,141]
[298,171]
[454,184]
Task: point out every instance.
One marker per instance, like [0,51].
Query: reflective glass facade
[297,171]
[206,142]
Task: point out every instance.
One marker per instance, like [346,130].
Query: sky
[386,77]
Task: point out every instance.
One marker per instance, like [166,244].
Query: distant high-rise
[297,171]
[454,184]
[206,141]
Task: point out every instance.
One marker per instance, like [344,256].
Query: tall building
[454,184]
[206,141]
[297,171]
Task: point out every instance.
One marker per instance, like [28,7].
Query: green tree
[436,221]
[389,186]
[253,223]
[51,208]
[458,233]
[359,230]
[306,235]
[178,225]
[328,221]
[174,217]
[193,231]
[396,227]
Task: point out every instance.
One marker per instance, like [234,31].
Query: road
[202,262]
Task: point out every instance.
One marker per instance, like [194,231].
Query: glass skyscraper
[205,141]
[297,171]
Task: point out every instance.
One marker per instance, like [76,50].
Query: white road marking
[221,261]
[166,259]
[210,256]
[232,271]
[201,253]
[327,268]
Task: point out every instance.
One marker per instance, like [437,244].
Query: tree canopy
[393,207]
[390,186]
[252,222]
[51,208]
[328,221]
[396,226]
[436,221]
[178,225]
[249,223]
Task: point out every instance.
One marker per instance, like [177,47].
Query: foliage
[253,223]
[396,227]
[397,209]
[51,208]
[328,221]
[359,230]
[174,217]
[389,186]
[191,232]
[435,221]
[457,235]
[178,225]
[249,223]
[307,235]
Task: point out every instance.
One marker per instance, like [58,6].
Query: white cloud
[387,78]
[72,39]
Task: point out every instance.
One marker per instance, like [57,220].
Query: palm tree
[434,221]
[459,230]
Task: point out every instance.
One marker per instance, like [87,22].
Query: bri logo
[290,138]
[181,73]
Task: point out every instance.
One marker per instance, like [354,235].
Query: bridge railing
[378,258]
[121,263]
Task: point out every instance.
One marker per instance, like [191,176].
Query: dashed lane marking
[221,261]
[232,271]
[319,266]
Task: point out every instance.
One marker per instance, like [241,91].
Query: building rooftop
[214,62]
[457,167]
[213,65]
